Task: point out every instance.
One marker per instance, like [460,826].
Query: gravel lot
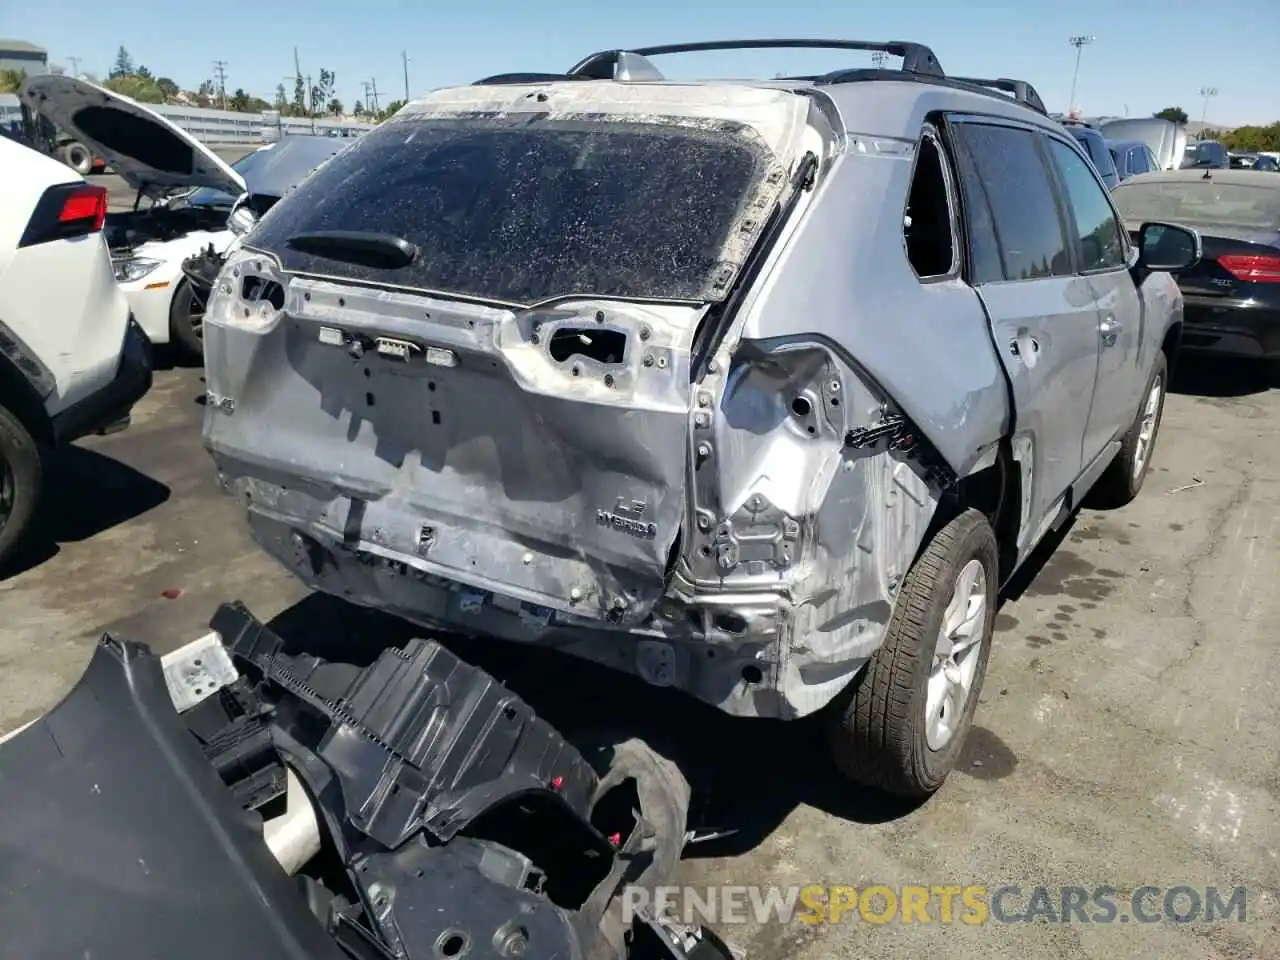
[1129,732]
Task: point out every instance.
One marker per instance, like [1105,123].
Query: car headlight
[134,269]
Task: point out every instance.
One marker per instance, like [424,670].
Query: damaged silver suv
[756,389]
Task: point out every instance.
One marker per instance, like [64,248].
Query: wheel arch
[20,398]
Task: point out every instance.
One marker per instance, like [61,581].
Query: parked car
[1166,139]
[1266,163]
[1232,296]
[1205,155]
[652,374]
[72,360]
[185,197]
[1096,149]
[1131,157]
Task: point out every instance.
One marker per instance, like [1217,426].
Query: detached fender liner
[118,840]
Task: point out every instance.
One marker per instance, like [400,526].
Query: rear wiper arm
[356,246]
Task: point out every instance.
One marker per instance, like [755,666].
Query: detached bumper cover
[456,822]
[105,408]
[119,841]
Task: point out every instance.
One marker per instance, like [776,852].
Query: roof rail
[916,57]
[1022,91]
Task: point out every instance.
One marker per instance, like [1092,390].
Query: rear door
[1043,316]
[1101,251]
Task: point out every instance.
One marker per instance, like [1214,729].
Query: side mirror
[1167,247]
[242,219]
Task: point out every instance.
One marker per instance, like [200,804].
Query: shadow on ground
[1209,376]
[84,494]
[747,775]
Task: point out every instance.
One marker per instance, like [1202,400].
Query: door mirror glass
[1167,247]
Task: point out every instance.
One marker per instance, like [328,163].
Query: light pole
[1079,43]
[1205,92]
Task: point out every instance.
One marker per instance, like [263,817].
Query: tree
[167,87]
[335,106]
[204,93]
[358,109]
[135,88]
[1253,139]
[390,110]
[239,101]
[11,80]
[143,72]
[299,106]
[123,66]
[1176,114]
[282,102]
[322,92]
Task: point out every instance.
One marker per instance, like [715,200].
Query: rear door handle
[1109,330]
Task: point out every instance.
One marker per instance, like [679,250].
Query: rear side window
[1100,245]
[521,209]
[1015,231]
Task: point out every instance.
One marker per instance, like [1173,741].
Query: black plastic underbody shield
[453,821]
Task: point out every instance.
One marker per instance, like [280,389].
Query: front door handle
[1109,330]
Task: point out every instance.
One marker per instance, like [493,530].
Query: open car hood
[144,148]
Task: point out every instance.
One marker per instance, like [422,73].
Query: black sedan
[1232,296]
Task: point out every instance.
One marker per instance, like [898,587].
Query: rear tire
[78,157]
[20,476]
[187,341]
[1121,482]
[901,724]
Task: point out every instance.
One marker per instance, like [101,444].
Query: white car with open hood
[189,193]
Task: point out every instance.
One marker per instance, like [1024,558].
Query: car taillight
[1252,267]
[85,207]
[65,212]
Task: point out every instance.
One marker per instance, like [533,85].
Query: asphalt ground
[1128,735]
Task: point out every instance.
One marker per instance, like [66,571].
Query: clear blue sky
[1149,54]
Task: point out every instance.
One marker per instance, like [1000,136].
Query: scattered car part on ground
[1232,296]
[1166,139]
[499,383]
[279,805]
[72,359]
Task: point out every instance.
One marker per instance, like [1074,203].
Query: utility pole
[373,92]
[1206,93]
[220,72]
[879,58]
[1079,42]
[75,65]
[404,55]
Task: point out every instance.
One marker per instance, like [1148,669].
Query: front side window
[1100,242]
[526,208]
[1015,230]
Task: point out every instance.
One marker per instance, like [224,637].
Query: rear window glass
[524,209]
[1197,200]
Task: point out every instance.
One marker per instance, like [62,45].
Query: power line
[1079,42]
[220,72]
